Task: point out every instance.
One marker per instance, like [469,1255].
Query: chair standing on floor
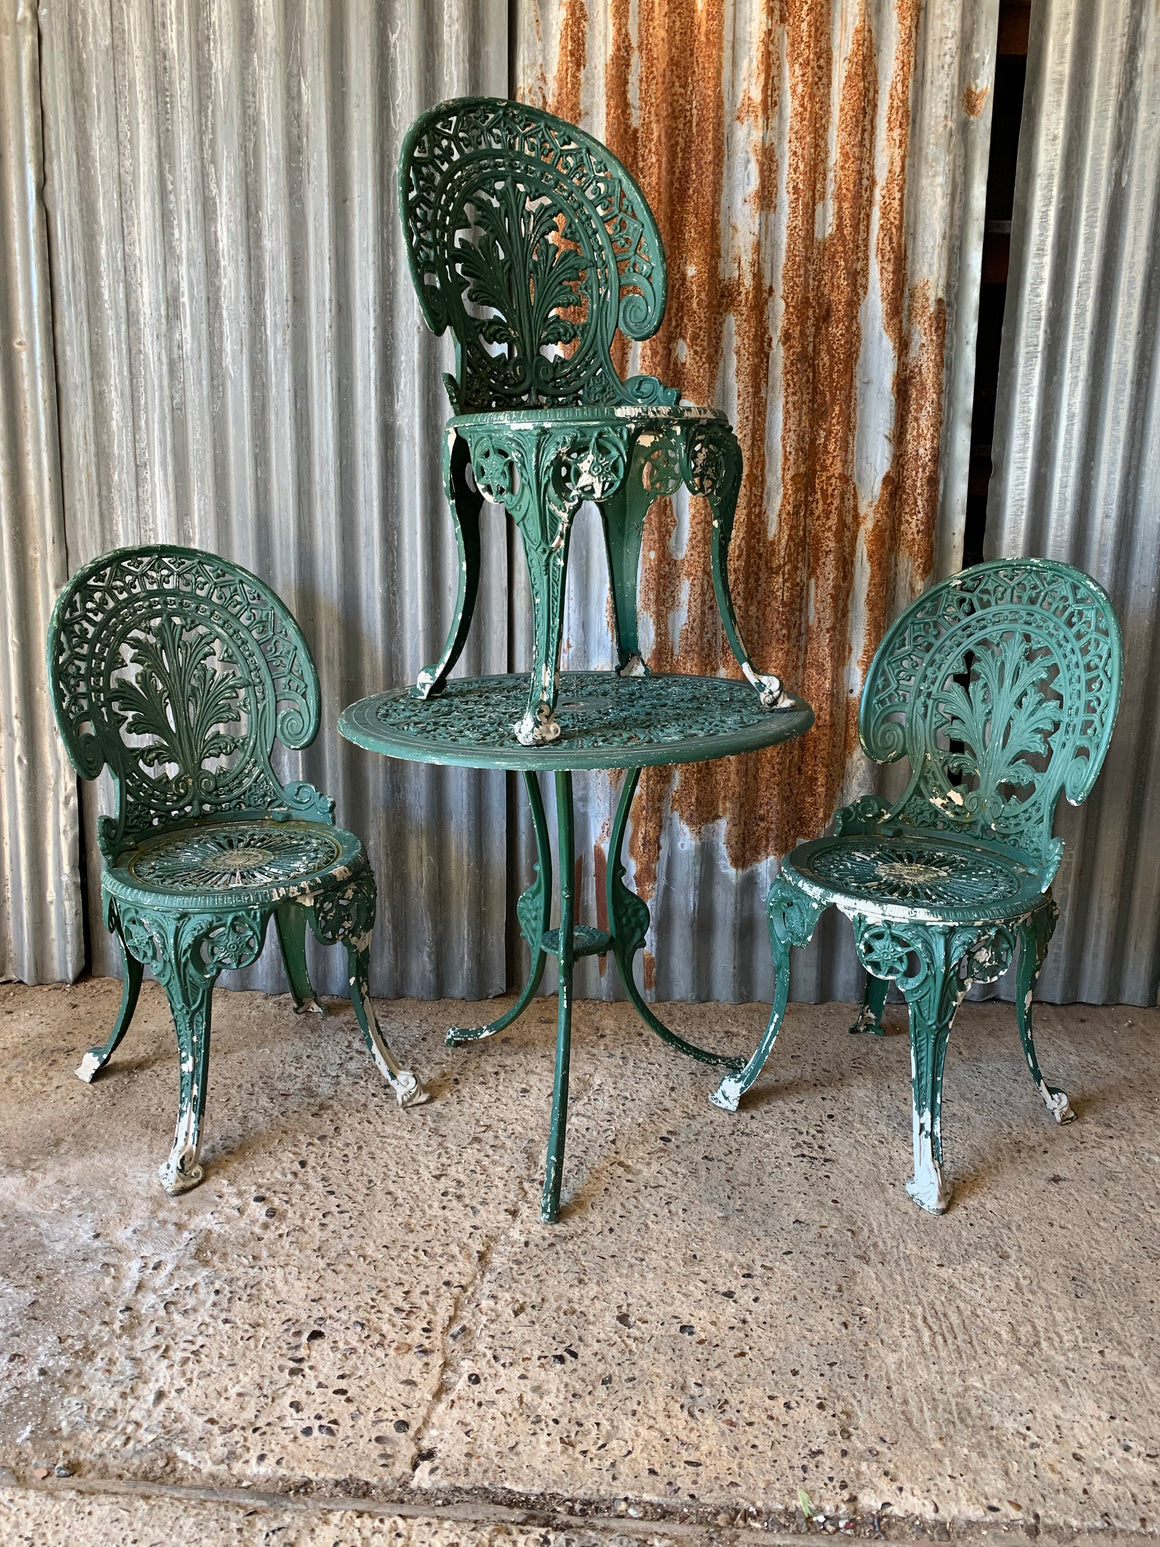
[1001,687]
[178,671]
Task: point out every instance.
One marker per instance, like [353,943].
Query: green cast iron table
[608,722]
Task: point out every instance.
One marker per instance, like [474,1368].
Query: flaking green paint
[533,245]
[179,671]
[1000,687]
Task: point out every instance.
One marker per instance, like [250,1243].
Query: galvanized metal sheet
[41,934]
[1077,441]
[818,174]
[242,366]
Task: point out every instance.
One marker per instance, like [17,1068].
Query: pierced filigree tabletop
[606,721]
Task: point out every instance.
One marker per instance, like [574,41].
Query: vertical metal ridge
[818,173]
[242,367]
[41,935]
[1077,442]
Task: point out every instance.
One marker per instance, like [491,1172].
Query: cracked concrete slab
[361,1300]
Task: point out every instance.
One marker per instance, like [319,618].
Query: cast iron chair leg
[933,996]
[404,1083]
[873,1004]
[553,1170]
[1034,936]
[465,503]
[290,923]
[190,999]
[712,470]
[346,916]
[792,918]
[733,1086]
[97,1057]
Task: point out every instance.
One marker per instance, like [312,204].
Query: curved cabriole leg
[547,575]
[933,993]
[186,952]
[290,923]
[534,911]
[654,472]
[1034,936]
[558,1132]
[712,470]
[629,920]
[792,919]
[190,1000]
[466,504]
[97,1057]
[346,916]
[873,1004]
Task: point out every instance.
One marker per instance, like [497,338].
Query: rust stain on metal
[973,99]
[600,874]
[564,99]
[673,102]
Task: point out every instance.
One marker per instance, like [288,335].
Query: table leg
[629,920]
[550,1199]
[534,911]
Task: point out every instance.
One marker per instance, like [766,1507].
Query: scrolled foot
[90,1065]
[408,1091]
[928,1189]
[868,1021]
[311,1007]
[427,684]
[769,688]
[539,729]
[1056,1103]
[728,1094]
[180,1172]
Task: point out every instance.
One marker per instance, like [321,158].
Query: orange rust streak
[564,99]
[794,588]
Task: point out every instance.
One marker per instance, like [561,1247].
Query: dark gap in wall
[1007,114]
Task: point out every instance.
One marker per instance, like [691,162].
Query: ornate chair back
[179,670]
[1000,685]
[532,243]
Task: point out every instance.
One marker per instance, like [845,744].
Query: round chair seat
[939,877]
[240,862]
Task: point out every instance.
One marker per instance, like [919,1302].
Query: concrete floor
[356,1330]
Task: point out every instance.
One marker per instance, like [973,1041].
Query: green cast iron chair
[1001,687]
[529,240]
[178,671]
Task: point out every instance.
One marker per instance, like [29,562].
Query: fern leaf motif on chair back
[179,670]
[529,240]
[1000,685]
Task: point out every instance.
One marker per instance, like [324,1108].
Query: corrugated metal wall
[242,366]
[818,173]
[239,363]
[41,935]
[1077,440]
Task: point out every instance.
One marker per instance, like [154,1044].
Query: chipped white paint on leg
[728,1094]
[89,1067]
[926,1186]
[773,695]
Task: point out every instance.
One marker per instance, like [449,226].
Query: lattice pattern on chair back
[531,242]
[1001,686]
[179,670]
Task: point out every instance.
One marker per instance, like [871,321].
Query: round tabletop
[606,721]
